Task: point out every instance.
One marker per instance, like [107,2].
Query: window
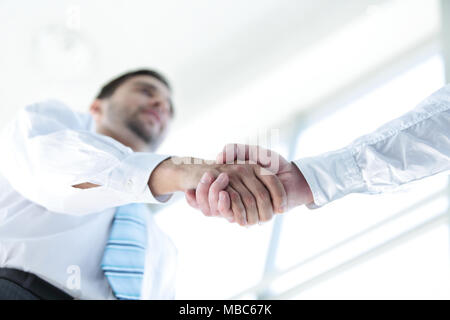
[332,243]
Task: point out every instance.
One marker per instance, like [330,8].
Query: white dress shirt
[58,232]
[411,147]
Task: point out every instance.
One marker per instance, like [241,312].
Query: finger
[224,205]
[276,190]
[247,199]
[213,196]
[190,198]
[238,208]
[201,193]
[261,195]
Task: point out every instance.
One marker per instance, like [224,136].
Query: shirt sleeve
[48,148]
[411,147]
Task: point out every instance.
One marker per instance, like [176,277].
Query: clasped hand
[247,185]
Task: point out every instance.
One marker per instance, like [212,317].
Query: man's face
[138,112]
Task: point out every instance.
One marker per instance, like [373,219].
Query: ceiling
[208,49]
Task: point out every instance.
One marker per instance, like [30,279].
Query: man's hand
[297,189]
[295,185]
[240,192]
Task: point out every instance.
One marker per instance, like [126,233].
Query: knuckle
[278,190]
[221,210]
[241,170]
[262,194]
[214,189]
[272,181]
[234,196]
[233,178]
[211,172]
[202,193]
[250,201]
[271,178]
[202,190]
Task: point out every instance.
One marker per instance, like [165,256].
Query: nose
[160,104]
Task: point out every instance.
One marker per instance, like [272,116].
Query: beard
[134,123]
[139,129]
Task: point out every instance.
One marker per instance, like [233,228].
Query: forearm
[409,148]
[164,178]
[55,161]
[301,192]
[177,174]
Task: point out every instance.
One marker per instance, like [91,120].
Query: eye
[147,92]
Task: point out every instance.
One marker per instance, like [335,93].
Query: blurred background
[313,74]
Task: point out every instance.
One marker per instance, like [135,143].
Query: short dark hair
[109,88]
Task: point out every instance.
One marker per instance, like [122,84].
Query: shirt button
[130,184]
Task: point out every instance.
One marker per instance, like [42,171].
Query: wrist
[177,174]
[165,178]
[302,192]
[185,172]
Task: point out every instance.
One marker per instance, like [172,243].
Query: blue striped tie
[124,257]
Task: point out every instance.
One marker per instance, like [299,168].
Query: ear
[96,109]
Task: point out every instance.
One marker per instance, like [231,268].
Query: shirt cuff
[331,176]
[132,176]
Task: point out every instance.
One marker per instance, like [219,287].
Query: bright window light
[306,233]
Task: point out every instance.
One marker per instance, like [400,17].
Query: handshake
[246,184]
